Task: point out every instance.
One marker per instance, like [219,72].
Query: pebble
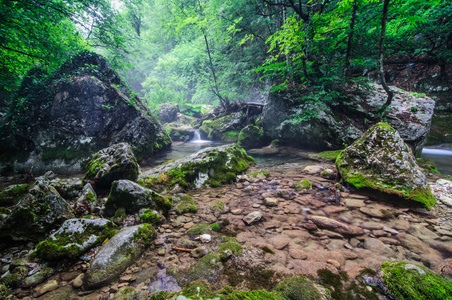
[49,286]
[78,281]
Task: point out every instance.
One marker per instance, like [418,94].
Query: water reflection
[441,157]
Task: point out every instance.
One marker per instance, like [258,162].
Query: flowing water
[441,157]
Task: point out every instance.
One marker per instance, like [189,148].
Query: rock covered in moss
[112,163]
[299,288]
[36,213]
[88,197]
[381,164]
[118,254]
[12,194]
[69,188]
[132,197]
[186,204]
[74,237]
[403,280]
[225,128]
[251,136]
[151,216]
[210,166]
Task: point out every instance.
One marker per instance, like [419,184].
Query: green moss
[408,281]
[255,174]
[428,165]
[228,293]
[215,227]
[250,136]
[206,268]
[146,234]
[160,295]
[186,205]
[229,249]
[268,250]
[217,206]
[304,185]
[298,288]
[150,216]
[198,289]
[326,155]
[230,136]
[12,194]
[199,229]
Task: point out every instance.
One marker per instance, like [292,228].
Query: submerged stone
[383,166]
[210,166]
[112,163]
[118,254]
[132,197]
[74,237]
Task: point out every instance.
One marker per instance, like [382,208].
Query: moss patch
[326,155]
[186,205]
[12,194]
[151,216]
[298,288]
[408,281]
[304,185]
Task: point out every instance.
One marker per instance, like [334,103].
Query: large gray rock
[383,166]
[168,112]
[112,163]
[210,166]
[343,121]
[36,213]
[118,254]
[84,108]
[132,197]
[74,237]
[69,188]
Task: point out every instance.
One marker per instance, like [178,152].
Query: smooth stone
[253,217]
[336,226]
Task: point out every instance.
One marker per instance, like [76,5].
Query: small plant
[414,109]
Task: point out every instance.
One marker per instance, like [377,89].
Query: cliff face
[59,122]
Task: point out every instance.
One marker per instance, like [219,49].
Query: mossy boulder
[68,188]
[210,166]
[12,194]
[299,288]
[226,128]
[304,185]
[329,156]
[87,199]
[383,166]
[151,216]
[133,197]
[186,204]
[179,132]
[112,163]
[118,254]
[403,280]
[41,210]
[74,237]
[251,136]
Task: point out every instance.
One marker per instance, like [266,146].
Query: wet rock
[297,254]
[68,188]
[251,137]
[36,214]
[131,196]
[167,112]
[314,169]
[112,163]
[12,194]
[225,128]
[442,189]
[88,197]
[87,109]
[253,217]
[74,237]
[210,166]
[47,287]
[381,164]
[279,241]
[271,201]
[378,247]
[118,254]
[336,226]
[42,274]
[78,281]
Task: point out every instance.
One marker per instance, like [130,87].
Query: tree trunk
[381,57]
[350,39]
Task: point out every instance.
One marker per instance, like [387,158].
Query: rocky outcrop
[210,166]
[112,163]
[36,213]
[117,254]
[251,136]
[58,121]
[132,198]
[74,237]
[168,112]
[225,128]
[331,125]
[382,165]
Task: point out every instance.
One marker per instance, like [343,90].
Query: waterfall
[196,136]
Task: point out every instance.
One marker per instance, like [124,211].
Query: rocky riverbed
[304,224]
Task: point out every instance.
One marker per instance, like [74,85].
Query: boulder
[112,163]
[69,188]
[403,280]
[87,200]
[340,122]
[225,128]
[179,132]
[60,120]
[251,136]
[168,112]
[132,197]
[210,166]
[383,166]
[118,254]
[36,213]
[74,237]
[12,194]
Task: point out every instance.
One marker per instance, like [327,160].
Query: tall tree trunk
[381,57]
[350,38]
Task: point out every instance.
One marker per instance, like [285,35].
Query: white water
[197,139]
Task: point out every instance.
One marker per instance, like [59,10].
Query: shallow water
[441,157]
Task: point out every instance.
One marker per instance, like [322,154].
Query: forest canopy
[221,51]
